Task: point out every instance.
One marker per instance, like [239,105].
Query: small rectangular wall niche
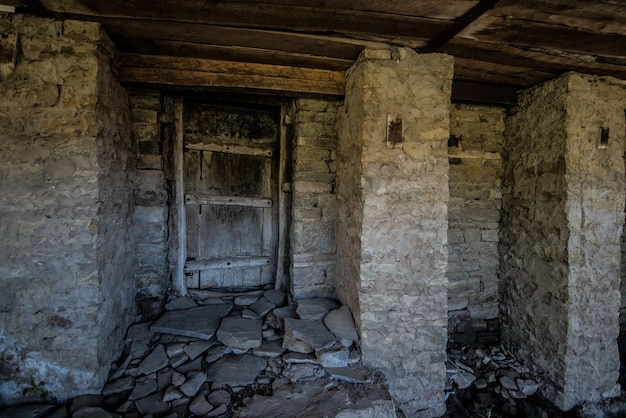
[394,130]
[604,138]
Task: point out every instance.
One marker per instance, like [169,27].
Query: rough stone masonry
[393,198]
[66,169]
[563,211]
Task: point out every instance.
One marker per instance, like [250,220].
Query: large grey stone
[155,361]
[219,397]
[237,370]
[240,333]
[333,358]
[314,333]
[317,308]
[92,412]
[199,322]
[341,324]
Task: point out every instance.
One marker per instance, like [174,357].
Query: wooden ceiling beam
[461,23]
[214,74]
[483,93]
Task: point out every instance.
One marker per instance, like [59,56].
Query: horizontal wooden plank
[230,149]
[274,56]
[556,62]
[488,72]
[227,263]
[245,201]
[496,29]
[266,15]
[190,72]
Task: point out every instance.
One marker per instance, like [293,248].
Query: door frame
[177,225]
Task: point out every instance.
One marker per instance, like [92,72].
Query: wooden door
[231,192]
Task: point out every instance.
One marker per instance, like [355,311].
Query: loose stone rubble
[491,382]
[238,356]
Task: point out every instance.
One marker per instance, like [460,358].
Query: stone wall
[314,202]
[397,189]
[474,152]
[562,219]
[150,193]
[66,169]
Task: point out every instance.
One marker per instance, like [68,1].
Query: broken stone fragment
[200,322]
[178,360]
[302,372]
[250,314]
[217,412]
[300,358]
[216,353]
[143,388]
[314,309]
[262,306]
[463,379]
[200,406]
[356,374]
[139,332]
[181,302]
[219,397]
[155,361]
[508,383]
[276,297]
[236,371]
[152,404]
[195,349]
[177,378]
[174,349]
[333,358]
[245,300]
[171,394]
[240,333]
[117,386]
[269,349]
[312,332]
[285,312]
[341,324]
[192,384]
[90,412]
[527,386]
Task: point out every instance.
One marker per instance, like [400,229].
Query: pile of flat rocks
[255,354]
[490,382]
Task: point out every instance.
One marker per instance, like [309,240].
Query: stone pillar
[66,169]
[563,210]
[392,188]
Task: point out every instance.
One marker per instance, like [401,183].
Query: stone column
[563,210]
[66,170]
[392,188]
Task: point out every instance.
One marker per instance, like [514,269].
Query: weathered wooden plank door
[231,194]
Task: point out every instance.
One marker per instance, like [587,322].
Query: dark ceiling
[499,46]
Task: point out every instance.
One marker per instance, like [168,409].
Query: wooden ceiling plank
[461,23]
[230,53]
[192,72]
[474,70]
[516,56]
[600,16]
[251,14]
[532,34]
[322,45]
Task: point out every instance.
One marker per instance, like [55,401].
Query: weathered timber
[250,202]
[230,149]
[461,23]
[178,241]
[227,263]
[470,69]
[262,15]
[192,72]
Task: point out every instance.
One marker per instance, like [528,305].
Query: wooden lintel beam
[206,73]
[461,23]
[482,93]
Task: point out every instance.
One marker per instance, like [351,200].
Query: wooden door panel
[230,196]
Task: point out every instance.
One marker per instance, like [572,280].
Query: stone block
[311,187]
[149,180]
[154,214]
[490,235]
